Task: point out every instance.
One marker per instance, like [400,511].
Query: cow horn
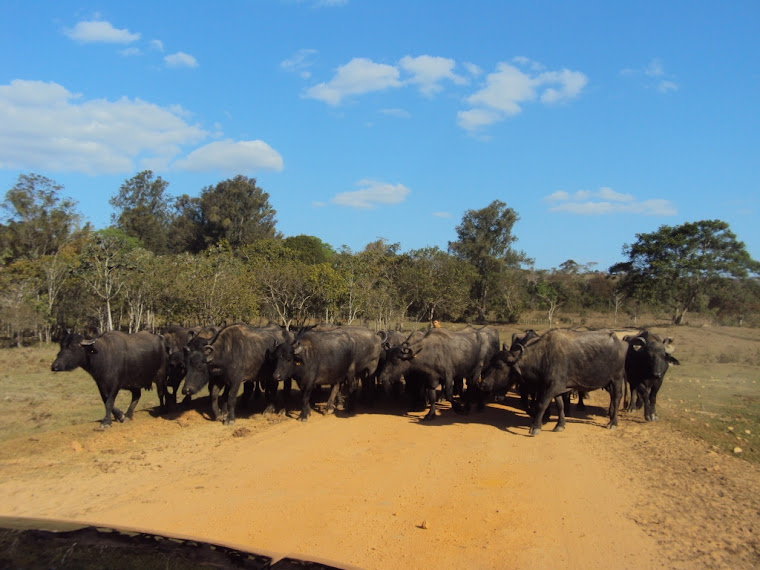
[87,342]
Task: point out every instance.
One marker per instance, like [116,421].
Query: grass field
[714,395]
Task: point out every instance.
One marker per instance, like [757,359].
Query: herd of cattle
[468,365]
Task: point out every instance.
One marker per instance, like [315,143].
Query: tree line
[218,257]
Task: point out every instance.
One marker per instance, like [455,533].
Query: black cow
[328,355]
[235,356]
[499,382]
[117,361]
[176,339]
[441,357]
[646,363]
[560,361]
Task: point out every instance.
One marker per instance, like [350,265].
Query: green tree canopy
[678,265]
[238,211]
[142,210]
[38,219]
[486,242]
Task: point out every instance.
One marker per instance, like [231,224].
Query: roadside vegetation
[219,258]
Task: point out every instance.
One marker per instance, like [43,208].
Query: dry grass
[714,395]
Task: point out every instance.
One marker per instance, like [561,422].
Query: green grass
[715,402]
[35,400]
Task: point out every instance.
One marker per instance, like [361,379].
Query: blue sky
[593,120]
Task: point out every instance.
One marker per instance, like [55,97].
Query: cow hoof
[559,428]
[611,426]
[302,418]
[104,426]
[428,418]
[269,409]
[534,431]
[329,411]
[228,422]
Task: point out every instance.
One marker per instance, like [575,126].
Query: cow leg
[216,413]
[331,400]
[560,402]
[305,398]
[133,403]
[653,401]
[616,393]
[270,394]
[542,405]
[431,394]
[232,394]
[643,393]
[108,399]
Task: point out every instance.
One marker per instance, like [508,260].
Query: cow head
[71,355]
[650,355]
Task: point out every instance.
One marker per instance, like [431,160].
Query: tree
[237,211]
[486,242]
[142,210]
[309,249]
[434,283]
[39,220]
[105,268]
[677,265]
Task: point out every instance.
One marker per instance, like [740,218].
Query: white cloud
[357,77]
[232,156]
[372,194]
[101,32]
[441,215]
[157,45]
[398,113]
[472,69]
[46,127]
[509,88]
[653,75]
[428,71]
[180,59]
[607,201]
[49,128]
[130,51]
[300,62]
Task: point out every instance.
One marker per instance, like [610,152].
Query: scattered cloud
[300,62]
[442,215]
[398,113]
[157,45]
[330,3]
[130,51]
[508,89]
[100,31]
[180,59]
[371,194]
[428,71]
[472,69]
[607,201]
[232,156]
[46,127]
[654,76]
[357,77]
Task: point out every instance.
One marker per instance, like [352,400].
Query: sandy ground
[382,489]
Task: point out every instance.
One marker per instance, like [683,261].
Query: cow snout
[187,390]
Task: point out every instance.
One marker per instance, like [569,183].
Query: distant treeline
[219,258]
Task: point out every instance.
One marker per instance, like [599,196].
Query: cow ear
[673,360]
[208,350]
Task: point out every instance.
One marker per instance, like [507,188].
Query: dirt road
[384,490]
